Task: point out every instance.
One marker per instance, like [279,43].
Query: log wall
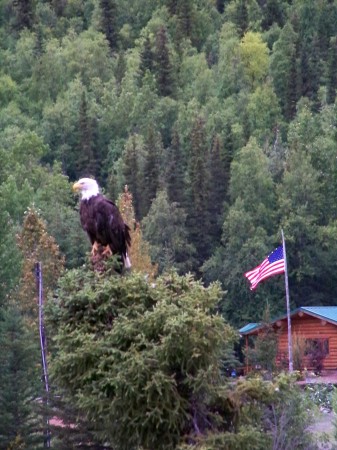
[307,327]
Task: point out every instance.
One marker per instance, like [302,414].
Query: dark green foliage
[163,66]
[248,222]
[86,161]
[281,409]
[142,360]
[220,5]
[241,16]
[9,257]
[39,46]
[109,22]
[165,228]
[20,386]
[326,27]
[175,173]
[310,70]
[228,145]
[273,13]
[146,57]
[172,5]
[300,205]
[120,68]
[131,172]
[332,71]
[218,188]
[185,17]
[264,352]
[23,14]
[151,177]
[198,188]
[284,69]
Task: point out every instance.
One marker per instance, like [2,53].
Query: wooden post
[290,346]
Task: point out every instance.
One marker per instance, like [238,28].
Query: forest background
[218,115]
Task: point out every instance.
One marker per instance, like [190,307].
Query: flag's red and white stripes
[272,265]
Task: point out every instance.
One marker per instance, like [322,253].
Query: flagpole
[38,274]
[290,347]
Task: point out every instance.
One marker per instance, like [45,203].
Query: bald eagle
[102,221]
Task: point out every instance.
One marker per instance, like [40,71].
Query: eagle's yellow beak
[77,186]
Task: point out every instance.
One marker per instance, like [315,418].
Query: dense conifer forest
[220,118]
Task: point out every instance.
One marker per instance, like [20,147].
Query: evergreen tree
[147,61]
[220,5]
[127,355]
[23,14]
[332,71]
[151,179]
[252,183]
[198,188]
[310,71]
[273,12]
[165,230]
[229,69]
[9,256]
[218,188]
[301,208]
[284,70]
[39,46]
[172,6]
[20,386]
[109,22]
[131,171]
[86,162]
[318,138]
[228,150]
[185,18]
[326,28]
[176,171]
[163,66]
[120,68]
[241,16]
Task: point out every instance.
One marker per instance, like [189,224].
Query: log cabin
[314,338]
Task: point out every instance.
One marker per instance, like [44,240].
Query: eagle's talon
[94,249]
[107,251]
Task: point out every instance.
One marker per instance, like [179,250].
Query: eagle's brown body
[102,221]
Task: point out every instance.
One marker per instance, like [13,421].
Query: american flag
[272,265]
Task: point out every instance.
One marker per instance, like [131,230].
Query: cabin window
[317,346]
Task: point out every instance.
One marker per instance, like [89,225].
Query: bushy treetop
[140,359]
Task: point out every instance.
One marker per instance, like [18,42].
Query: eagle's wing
[110,226]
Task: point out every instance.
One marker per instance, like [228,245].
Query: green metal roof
[248,328]
[328,313]
[323,312]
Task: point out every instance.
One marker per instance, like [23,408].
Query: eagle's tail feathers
[127,262]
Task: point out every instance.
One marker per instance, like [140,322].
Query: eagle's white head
[88,188]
